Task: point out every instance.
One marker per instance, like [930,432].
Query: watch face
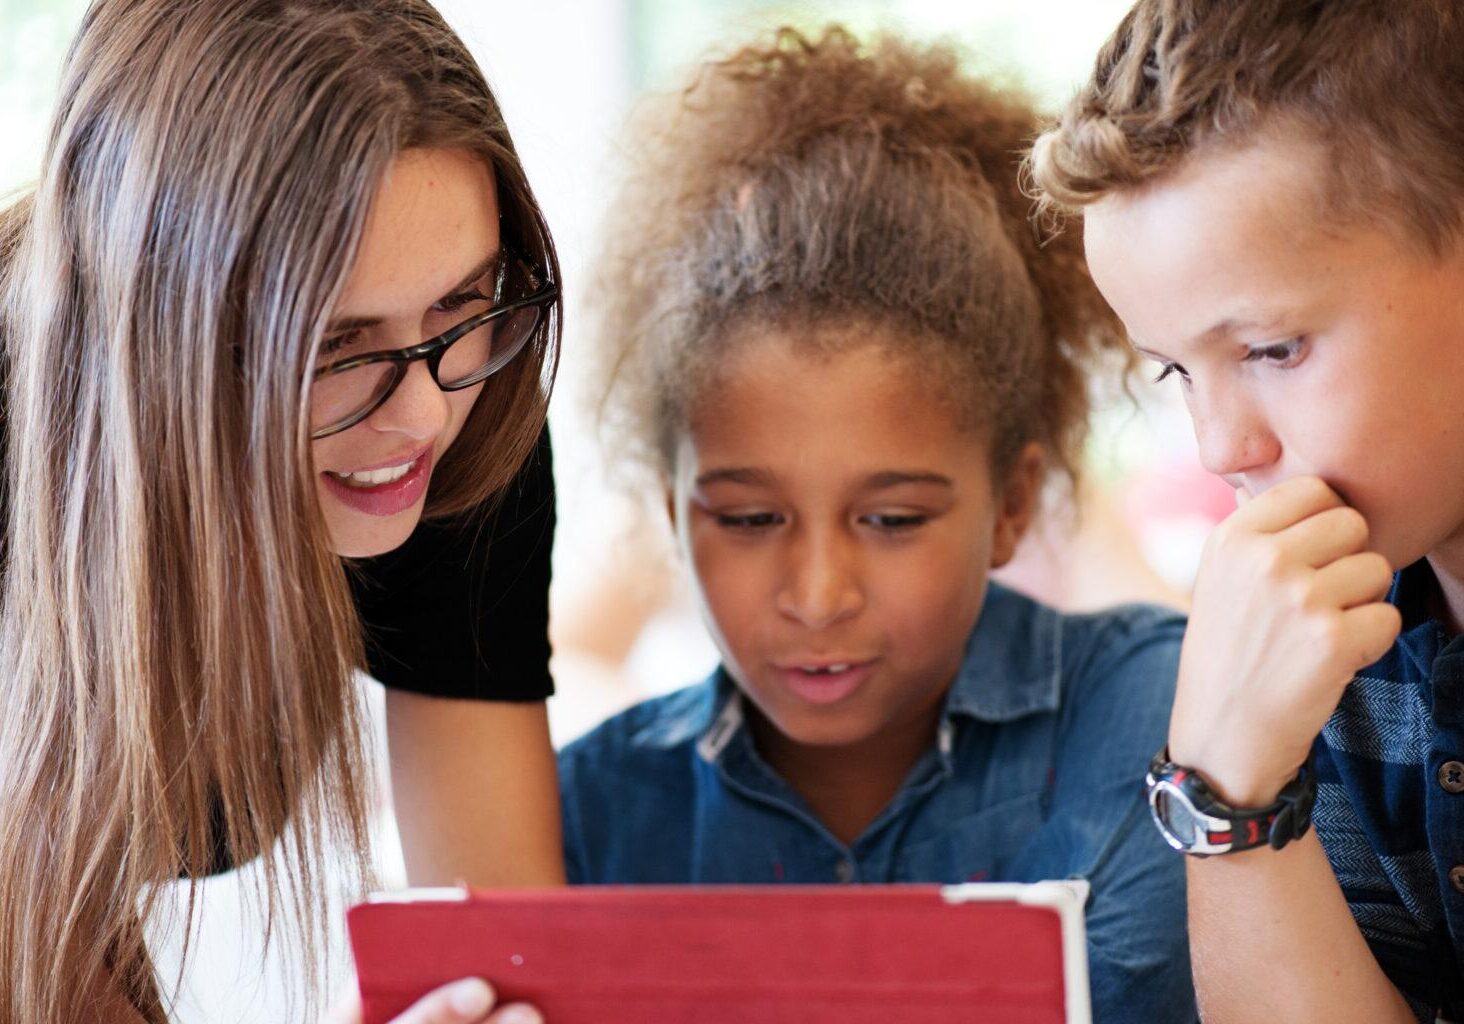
[1174,815]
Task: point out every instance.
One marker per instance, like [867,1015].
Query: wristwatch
[1194,820]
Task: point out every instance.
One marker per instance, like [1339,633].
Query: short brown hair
[806,183]
[1376,82]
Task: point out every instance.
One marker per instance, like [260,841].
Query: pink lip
[386,499]
[827,688]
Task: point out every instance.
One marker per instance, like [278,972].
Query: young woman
[281,292]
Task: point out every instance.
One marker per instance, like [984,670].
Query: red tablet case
[753,955]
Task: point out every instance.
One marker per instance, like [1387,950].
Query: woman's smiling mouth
[383,490]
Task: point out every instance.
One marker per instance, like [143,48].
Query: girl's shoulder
[650,730]
[1025,656]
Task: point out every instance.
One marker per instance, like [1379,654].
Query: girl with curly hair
[834,340]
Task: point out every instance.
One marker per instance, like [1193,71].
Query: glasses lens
[486,349]
[338,398]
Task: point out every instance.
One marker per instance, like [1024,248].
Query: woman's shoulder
[462,609]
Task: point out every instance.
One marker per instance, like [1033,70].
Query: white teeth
[825,670]
[376,477]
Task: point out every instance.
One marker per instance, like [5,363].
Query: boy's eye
[750,521]
[1169,368]
[894,522]
[1284,354]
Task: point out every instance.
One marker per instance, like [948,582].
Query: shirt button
[844,871]
[1451,776]
[1456,877]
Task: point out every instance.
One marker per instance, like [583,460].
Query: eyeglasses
[345,392]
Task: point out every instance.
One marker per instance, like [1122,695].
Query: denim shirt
[1036,773]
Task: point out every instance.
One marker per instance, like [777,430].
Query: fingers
[1322,538]
[1286,504]
[462,1002]
[1370,630]
[347,1011]
[1355,580]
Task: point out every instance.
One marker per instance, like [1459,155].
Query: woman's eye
[750,521]
[895,523]
[331,346]
[453,303]
[1169,368]
[1283,354]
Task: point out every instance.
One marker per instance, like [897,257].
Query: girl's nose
[822,585]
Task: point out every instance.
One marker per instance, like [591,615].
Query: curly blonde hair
[808,183]
[1377,84]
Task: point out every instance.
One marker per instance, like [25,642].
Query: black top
[462,609]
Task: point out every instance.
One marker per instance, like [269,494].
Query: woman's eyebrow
[492,262]
[360,323]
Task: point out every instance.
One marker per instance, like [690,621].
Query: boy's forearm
[1271,939]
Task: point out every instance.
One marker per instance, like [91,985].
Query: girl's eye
[750,522]
[1283,354]
[453,303]
[1169,368]
[893,523]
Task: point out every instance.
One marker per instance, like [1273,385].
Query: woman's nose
[418,408]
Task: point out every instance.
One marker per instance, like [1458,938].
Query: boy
[1272,197]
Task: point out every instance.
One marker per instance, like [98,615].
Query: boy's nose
[1233,438]
[822,584]
[417,409]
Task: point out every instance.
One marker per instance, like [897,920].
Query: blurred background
[624,624]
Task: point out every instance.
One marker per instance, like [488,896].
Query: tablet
[867,954]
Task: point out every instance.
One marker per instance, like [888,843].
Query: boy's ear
[1017,499]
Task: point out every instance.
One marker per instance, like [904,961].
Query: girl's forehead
[821,415]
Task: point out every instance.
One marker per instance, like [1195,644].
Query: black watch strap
[1194,820]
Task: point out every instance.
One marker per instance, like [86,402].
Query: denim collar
[1012,667]
[1011,670]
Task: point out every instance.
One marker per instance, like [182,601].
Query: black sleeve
[462,609]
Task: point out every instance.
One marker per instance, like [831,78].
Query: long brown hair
[177,640]
[810,181]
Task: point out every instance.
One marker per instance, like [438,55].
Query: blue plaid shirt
[1390,803]
[1036,773]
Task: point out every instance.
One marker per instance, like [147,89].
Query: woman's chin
[352,538]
